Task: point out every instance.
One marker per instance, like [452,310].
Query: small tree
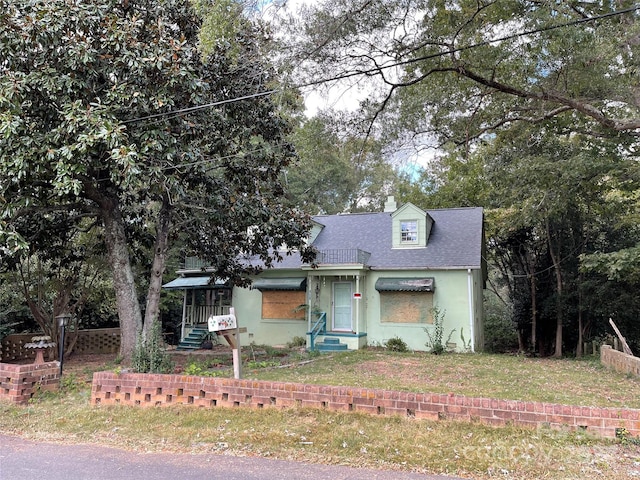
[435,342]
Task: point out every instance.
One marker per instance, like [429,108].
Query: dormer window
[411,227]
[409,231]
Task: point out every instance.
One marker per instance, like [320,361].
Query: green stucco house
[377,276]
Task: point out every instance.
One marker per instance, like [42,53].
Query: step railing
[200,314]
[319,328]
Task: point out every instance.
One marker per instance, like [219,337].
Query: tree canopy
[459,69]
[337,172]
[555,206]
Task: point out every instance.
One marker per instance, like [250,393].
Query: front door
[342,306]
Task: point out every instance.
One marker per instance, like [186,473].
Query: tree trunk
[534,312]
[123,281]
[579,347]
[124,285]
[152,311]
[521,348]
[559,291]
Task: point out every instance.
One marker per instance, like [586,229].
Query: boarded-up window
[406,307]
[283,304]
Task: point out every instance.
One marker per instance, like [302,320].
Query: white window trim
[402,232]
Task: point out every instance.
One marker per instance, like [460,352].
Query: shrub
[297,342]
[500,333]
[150,356]
[201,369]
[6,328]
[396,344]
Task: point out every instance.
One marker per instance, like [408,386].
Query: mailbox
[222,322]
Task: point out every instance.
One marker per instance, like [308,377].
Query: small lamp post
[63,321]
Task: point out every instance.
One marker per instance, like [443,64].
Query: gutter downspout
[471,309]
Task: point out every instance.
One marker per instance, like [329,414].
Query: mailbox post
[227,326]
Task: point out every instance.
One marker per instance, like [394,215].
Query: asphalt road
[27,460]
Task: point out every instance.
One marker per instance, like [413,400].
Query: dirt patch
[83,366]
[219,357]
[406,370]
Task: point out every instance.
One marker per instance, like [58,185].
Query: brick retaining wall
[146,390]
[18,383]
[619,361]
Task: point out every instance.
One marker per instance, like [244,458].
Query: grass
[469,450]
[573,382]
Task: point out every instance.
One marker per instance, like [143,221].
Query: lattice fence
[103,340]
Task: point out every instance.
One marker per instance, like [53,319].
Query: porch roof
[201,282]
[405,284]
[289,283]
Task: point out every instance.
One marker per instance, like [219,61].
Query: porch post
[194,312]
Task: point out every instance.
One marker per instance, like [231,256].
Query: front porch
[335,295]
[202,297]
[318,338]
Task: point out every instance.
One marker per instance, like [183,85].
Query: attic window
[409,231]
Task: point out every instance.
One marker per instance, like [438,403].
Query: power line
[386,67]
[200,107]
[567,257]
[472,46]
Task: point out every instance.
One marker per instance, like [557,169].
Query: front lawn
[466,449]
[567,381]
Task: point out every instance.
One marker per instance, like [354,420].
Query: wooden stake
[625,347]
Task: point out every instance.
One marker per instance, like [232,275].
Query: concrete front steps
[331,345]
[193,341]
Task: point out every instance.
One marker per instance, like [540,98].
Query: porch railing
[343,256]
[194,263]
[319,328]
[200,314]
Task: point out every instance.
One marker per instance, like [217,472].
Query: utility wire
[386,67]
[200,107]
[470,47]
[569,256]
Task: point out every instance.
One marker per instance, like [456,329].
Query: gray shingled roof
[455,242]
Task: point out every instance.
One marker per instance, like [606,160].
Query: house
[377,276]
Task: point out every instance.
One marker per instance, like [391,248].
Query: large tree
[550,200]
[110,110]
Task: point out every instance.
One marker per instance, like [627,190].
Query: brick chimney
[390,205]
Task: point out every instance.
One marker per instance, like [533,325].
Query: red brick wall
[18,383]
[163,390]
